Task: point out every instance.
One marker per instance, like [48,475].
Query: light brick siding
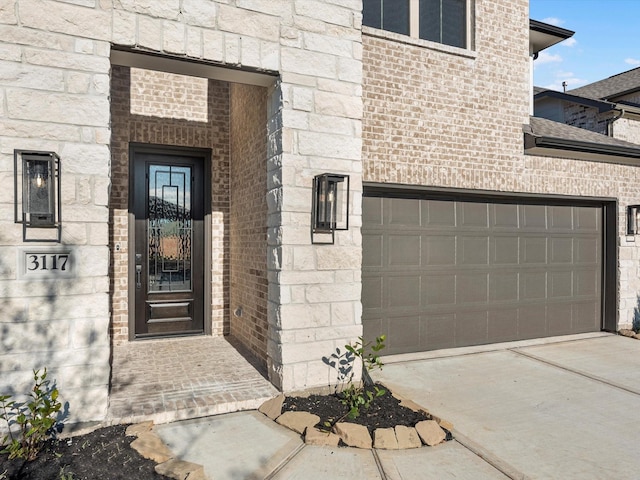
[433,117]
[588,118]
[438,119]
[148,128]
[248,213]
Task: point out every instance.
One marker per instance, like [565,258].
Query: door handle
[138,276]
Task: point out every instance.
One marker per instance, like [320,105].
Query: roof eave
[574,149]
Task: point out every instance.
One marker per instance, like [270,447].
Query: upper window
[442,21]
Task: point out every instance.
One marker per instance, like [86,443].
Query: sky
[606,42]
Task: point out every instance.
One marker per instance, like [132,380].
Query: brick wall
[248,214]
[132,87]
[445,116]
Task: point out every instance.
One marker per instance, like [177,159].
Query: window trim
[414,27]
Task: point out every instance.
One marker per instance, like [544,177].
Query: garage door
[443,273]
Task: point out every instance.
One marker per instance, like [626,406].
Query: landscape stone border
[625,332]
[428,432]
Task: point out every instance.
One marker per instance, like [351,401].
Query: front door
[168,270]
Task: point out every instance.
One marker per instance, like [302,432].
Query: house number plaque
[46,264]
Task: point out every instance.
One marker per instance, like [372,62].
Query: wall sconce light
[330,210]
[633,219]
[37,190]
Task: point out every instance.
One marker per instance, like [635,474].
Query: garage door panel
[439,289]
[403,292]
[372,250]
[560,218]
[587,219]
[439,214]
[532,321]
[503,286]
[559,318]
[439,250]
[505,250]
[534,217]
[586,316]
[586,282]
[372,292]
[561,249]
[533,285]
[503,325]
[404,333]
[506,216]
[473,250]
[439,332]
[404,250]
[441,274]
[587,251]
[372,211]
[404,212]
[471,328]
[534,250]
[473,214]
[561,284]
[471,287]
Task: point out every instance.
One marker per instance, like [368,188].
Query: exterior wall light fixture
[330,210]
[633,219]
[37,190]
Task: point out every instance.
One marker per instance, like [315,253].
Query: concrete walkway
[553,410]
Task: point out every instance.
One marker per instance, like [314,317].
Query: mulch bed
[104,454]
[384,412]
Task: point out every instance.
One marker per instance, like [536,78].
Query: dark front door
[168,271]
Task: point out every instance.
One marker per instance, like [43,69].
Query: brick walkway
[179,378]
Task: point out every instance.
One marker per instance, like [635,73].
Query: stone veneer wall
[442,117]
[145,92]
[248,218]
[54,95]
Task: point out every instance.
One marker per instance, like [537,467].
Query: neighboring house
[610,106]
[191,135]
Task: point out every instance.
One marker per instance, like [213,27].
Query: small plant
[63,475]
[36,419]
[355,396]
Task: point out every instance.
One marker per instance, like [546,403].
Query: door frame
[205,155]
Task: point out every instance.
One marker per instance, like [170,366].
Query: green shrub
[354,395]
[35,418]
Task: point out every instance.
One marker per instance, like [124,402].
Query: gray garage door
[439,274]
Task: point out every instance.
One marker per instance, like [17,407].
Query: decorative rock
[430,432]
[636,335]
[298,421]
[385,439]
[150,446]
[407,437]
[626,332]
[138,428]
[181,470]
[313,436]
[445,424]
[353,435]
[272,408]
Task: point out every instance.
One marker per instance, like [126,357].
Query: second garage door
[443,273]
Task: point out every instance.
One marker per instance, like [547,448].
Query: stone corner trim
[151,446]
[428,432]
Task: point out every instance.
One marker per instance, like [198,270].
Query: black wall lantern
[633,219]
[37,190]
[330,210]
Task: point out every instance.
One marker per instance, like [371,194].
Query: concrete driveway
[566,409]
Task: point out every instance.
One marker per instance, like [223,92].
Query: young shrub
[36,419]
[354,395]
